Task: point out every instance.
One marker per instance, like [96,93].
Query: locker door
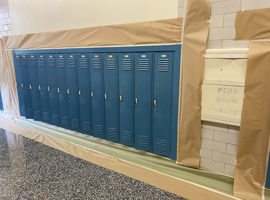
[34,86]
[18,74]
[127,90]
[85,94]
[143,101]
[62,91]
[52,89]
[111,78]
[1,102]
[97,93]
[25,88]
[73,92]
[43,89]
[162,103]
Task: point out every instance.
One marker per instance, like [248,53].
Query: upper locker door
[18,74]
[127,98]
[34,86]
[97,94]
[111,79]
[73,92]
[52,88]
[1,102]
[63,91]
[43,85]
[162,103]
[143,101]
[25,87]
[85,94]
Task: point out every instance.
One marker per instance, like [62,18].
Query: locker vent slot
[29,112]
[51,62]
[61,62]
[37,114]
[126,64]
[96,63]
[55,118]
[71,62]
[143,140]
[127,136]
[75,123]
[143,64]
[99,129]
[42,62]
[161,145]
[111,64]
[24,62]
[33,62]
[83,63]
[87,127]
[65,121]
[46,116]
[163,65]
[17,61]
[22,111]
[112,132]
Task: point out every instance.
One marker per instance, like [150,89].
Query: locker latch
[92,94]
[22,84]
[48,89]
[39,87]
[80,93]
[155,102]
[68,91]
[105,96]
[120,98]
[58,90]
[136,100]
[30,86]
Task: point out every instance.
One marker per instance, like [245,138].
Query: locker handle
[30,86]
[120,98]
[136,100]
[58,90]
[80,93]
[48,89]
[22,84]
[68,91]
[105,96]
[155,102]
[92,94]
[39,87]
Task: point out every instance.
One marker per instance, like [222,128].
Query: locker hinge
[68,91]
[39,87]
[80,93]
[22,84]
[58,90]
[92,94]
[16,84]
[30,86]
[48,89]
[120,98]
[105,96]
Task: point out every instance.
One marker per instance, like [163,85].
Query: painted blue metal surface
[1,101]
[34,86]
[73,91]
[97,93]
[18,75]
[143,101]
[127,93]
[52,88]
[25,88]
[62,91]
[162,103]
[43,88]
[84,84]
[111,96]
[267,181]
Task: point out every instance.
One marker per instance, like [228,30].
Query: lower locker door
[43,89]
[162,103]
[52,89]
[18,75]
[267,181]
[34,86]
[85,94]
[97,94]
[127,98]
[73,92]
[62,91]
[25,88]
[1,102]
[111,78]
[143,101]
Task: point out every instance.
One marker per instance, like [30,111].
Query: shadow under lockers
[125,97]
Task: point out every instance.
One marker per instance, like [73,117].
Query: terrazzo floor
[31,170]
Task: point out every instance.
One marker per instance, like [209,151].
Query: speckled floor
[31,170]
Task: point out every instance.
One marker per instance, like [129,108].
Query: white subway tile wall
[5,27]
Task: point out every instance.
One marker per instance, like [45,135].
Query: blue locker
[43,89]
[1,102]
[85,94]
[111,79]
[73,92]
[52,89]
[143,101]
[267,181]
[97,94]
[26,88]
[18,75]
[162,103]
[63,91]
[127,98]
[34,86]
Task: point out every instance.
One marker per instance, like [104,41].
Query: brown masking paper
[254,127]
[194,46]
[152,32]
[252,24]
